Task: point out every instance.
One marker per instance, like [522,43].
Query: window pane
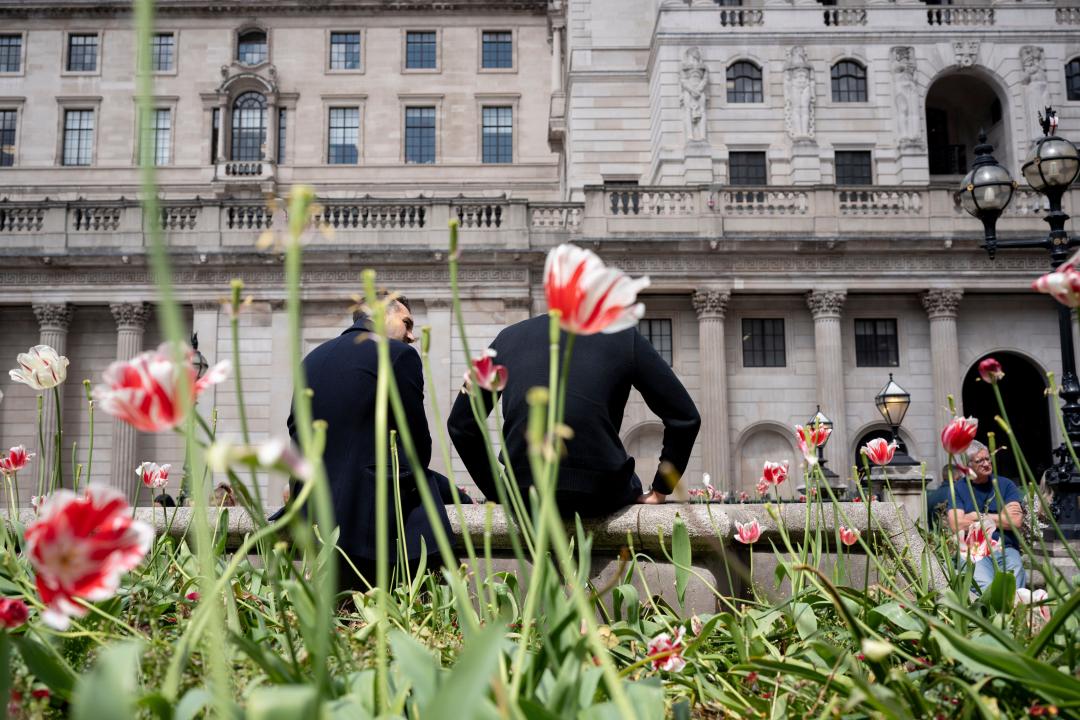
[162,127]
[853,167]
[658,332]
[747,168]
[345,51]
[420,135]
[1072,79]
[82,53]
[7,137]
[744,83]
[344,136]
[162,52]
[281,117]
[763,342]
[848,82]
[78,137]
[420,50]
[876,343]
[498,135]
[251,48]
[498,50]
[248,127]
[10,53]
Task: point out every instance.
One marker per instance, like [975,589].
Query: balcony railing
[959,16]
[244,171]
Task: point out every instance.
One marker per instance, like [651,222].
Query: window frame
[343,105]
[510,100]
[175,52]
[421,100]
[855,341]
[330,69]
[63,105]
[497,150]
[92,135]
[833,79]
[671,321]
[513,50]
[405,32]
[1069,96]
[243,30]
[15,105]
[836,166]
[763,318]
[747,151]
[230,145]
[22,35]
[158,102]
[758,93]
[282,131]
[98,56]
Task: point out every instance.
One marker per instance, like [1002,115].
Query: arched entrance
[958,107]
[873,433]
[1028,408]
[643,443]
[761,443]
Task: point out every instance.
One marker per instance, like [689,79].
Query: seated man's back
[596,476]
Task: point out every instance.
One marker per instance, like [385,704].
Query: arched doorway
[872,434]
[758,445]
[643,443]
[958,107]
[1026,404]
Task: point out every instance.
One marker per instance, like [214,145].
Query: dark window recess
[848,82]
[1072,79]
[763,342]
[498,135]
[995,112]
[497,50]
[10,53]
[420,135]
[78,137]
[282,116]
[876,344]
[747,168]
[82,53]
[853,167]
[249,127]
[162,55]
[7,137]
[215,129]
[658,332]
[252,48]
[420,50]
[345,51]
[744,83]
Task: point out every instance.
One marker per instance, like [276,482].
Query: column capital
[942,302]
[710,303]
[517,303]
[438,303]
[826,303]
[130,316]
[206,305]
[53,316]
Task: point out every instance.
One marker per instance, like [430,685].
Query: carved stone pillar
[941,307]
[711,307]
[53,321]
[223,107]
[556,57]
[130,322]
[270,149]
[826,306]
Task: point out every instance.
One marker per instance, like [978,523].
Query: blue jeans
[1008,561]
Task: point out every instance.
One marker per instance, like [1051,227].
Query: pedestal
[698,166]
[905,485]
[805,163]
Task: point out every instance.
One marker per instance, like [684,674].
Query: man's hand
[652,498]
[1012,517]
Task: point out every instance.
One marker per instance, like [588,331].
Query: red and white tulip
[80,546]
[976,543]
[41,368]
[879,452]
[849,536]
[810,438]
[958,434]
[153,475]
[145,392]
[1063,284]
[774,473]
[489,376]
[590,297]
[763,486]
[37,502]
[1035,600]
[15,460]
[13,613]
[747,533]
[990,371]
[670,649]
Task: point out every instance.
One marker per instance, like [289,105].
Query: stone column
[53,321]
[223,125]
[556,57]
[941,307]
[270,150]
[825,306]
[711,307]
[130,322]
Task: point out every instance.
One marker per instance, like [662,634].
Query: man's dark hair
[165,500]
[383,295]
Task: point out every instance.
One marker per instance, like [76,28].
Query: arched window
[744,83]
[251,47]
[248,127]
[848,82]
[1072,79]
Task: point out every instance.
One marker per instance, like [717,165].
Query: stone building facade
[783,170]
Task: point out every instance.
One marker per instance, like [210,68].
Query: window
[248,127]
[747,168]
[848,82]
[497,50]
[1072,78]
[344,136]
[498,135]
[763,342]
[7,137]
[215,128]
[744,83]
[729,3]
[853,167]
[161,129]
[875,343]
[344,51]
[281,117]
[162,55]
[10,53]
[658,332]
[82,53]
[252,47]
[420,135]
[420,50]
[78,137]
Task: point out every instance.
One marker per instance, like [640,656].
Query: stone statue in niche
[799,96]
[906,92]
[694,99]
[1036,88]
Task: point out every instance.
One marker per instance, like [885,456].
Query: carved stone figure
[966,51]
[1036,88]
[906,92]
[694,88]
[799,95]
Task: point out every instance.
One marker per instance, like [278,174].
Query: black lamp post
[892,402]
[1050,168]
[820,419]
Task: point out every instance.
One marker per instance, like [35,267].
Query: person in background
[223,496]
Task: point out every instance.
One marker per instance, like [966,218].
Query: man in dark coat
[596,476]
[342,375]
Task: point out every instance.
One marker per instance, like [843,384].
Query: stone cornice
[276,7]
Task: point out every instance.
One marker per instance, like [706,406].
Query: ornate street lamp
[198,361]
[820,419]
[892,402]
[1050,169]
